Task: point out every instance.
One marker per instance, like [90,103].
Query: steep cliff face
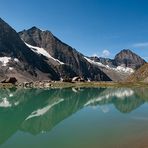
[129,59]
[74,63]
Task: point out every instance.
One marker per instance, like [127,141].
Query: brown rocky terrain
[141,75]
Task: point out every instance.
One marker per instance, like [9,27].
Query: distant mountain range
[35,55]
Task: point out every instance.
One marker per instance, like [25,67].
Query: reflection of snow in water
[104,109]
[77,89]
[74,90]
[42,111]
[10,95]
[16,103]
[5,103]
[119,93]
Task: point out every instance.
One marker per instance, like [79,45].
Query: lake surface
[74,118]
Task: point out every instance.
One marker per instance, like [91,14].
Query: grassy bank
[97,84]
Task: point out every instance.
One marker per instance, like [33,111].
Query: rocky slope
[140,75]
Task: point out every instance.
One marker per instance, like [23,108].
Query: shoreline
[58,84]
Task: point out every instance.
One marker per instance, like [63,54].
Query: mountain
[29,61]
[17,60]
[129,59]
[36,55]
[92,68]
[140,75]
[72,63]
[119,68]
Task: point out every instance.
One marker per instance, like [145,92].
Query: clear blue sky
[90,26]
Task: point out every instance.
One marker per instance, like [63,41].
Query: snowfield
[118,68]
[6,60]
[43,52]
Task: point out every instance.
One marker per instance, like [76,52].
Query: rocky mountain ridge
[33,65]
[119,68]
[36,55]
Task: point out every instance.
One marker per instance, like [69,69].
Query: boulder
[12,80]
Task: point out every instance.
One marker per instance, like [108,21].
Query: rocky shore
[59,84]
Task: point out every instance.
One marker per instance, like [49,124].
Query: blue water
[74,118]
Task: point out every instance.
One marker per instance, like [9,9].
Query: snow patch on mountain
[5,60]
[11,68]
[16,60]
[118,68]
[43,52]
[124,69]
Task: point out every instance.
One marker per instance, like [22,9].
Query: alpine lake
[103,117]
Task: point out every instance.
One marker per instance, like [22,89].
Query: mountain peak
[126,51]
[129,59]
[35,36]
[34,28]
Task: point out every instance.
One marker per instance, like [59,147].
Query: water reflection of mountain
[125,100]
[36,110]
